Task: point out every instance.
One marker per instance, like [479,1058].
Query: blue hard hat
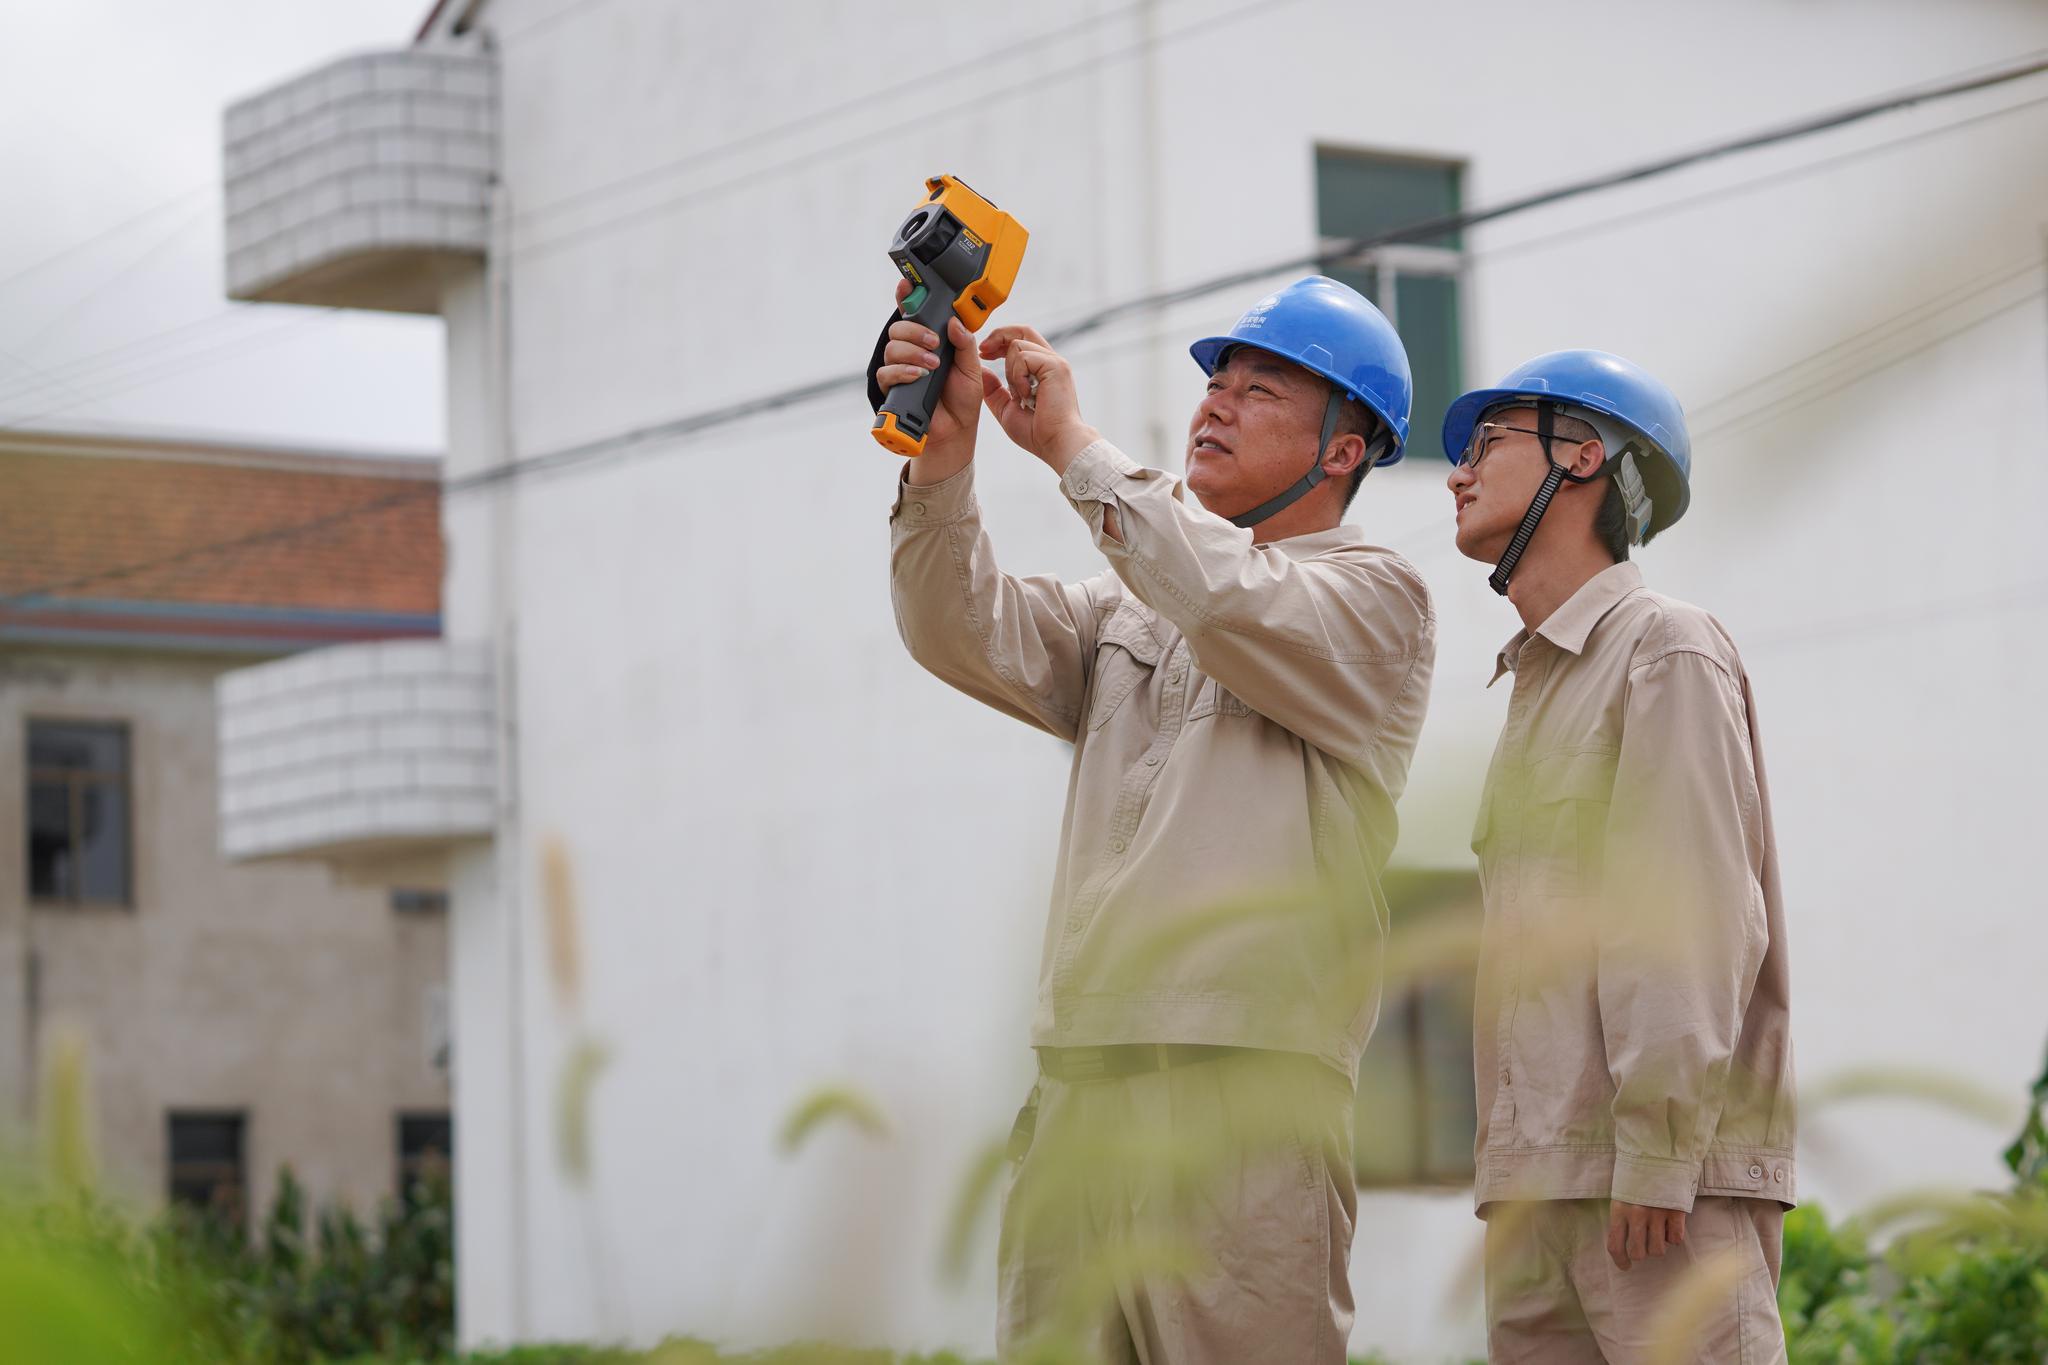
[1333,330]
[1611,387]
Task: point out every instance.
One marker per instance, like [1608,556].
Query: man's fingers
[1617,1247]
[915,333]
[963,344]
[1019,332]
[909,353]
[1654,1233]
[1017,369]
[902,287]
[993,394]
[889,376]
[1638,1233]
[1676,1235]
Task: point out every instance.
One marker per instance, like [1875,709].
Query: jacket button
[917,509]
[1117,846]
[1756,1173]
[1778,1176]
[1151,760]
[1505,1076]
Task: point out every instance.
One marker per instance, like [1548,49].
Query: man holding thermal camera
[1243,689]
[1635,1147]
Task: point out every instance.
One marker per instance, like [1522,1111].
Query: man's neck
[1548,575]
[1306,517]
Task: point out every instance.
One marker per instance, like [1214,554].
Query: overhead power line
[975,67]
[1426,230]
[1423,231]
[1033,85]
[116,230]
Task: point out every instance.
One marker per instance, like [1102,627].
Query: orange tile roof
[171,522]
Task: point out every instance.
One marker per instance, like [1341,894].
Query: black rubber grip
[915,402]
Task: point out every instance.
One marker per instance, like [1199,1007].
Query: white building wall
[798,860]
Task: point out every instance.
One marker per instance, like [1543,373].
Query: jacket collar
[1572,624]
[1316,542]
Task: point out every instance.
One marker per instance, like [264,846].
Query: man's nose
[1460,479]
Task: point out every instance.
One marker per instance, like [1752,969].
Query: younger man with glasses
[1631,1028]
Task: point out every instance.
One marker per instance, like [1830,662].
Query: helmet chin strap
[1546,420]
[1301,487]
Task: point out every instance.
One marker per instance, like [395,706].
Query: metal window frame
[74,780]
[237,1170]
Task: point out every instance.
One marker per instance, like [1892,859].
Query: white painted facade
[799,861]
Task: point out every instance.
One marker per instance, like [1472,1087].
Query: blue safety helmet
[1610,387]
[1333,330]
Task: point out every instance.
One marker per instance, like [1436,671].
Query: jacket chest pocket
[1569,794]
[1212,698]
[1125,658]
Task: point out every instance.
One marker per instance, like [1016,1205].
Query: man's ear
[1345,454]
[1587,459]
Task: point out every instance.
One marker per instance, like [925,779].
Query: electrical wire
[586,452]
[1034,85]
[973,67]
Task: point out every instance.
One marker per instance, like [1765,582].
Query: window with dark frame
[426,1148]
[1362,194]
[419,900]
[79,843]
[1417,1115]
[207,1168]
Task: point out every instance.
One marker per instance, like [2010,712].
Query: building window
[78,814]
[1416,1117]
[207,1167]
[419,900]
[426,1147]
[1416,285]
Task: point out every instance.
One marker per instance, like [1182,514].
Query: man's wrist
[1070,442]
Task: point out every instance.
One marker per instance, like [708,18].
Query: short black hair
[1356,419]
[1610,524]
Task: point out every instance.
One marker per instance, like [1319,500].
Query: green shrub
[1969,1288]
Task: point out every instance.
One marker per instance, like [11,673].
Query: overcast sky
[110,151]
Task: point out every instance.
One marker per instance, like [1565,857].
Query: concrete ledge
[364,184]
[366,752]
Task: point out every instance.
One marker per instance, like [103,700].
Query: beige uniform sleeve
[1325,647]
[1682,927]
[1021,645]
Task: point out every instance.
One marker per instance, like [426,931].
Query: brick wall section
[371,744]
[378,153]
[65,517]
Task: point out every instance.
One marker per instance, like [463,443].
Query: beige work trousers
[1201,1213]
[1555,1297]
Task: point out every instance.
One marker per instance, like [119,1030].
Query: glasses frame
[1477,440]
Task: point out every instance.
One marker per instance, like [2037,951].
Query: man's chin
[1212,499]
[1474,544]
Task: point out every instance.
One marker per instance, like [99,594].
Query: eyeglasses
[1487,435]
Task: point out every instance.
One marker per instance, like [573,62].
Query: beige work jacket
[1631,1031]
[1242,717]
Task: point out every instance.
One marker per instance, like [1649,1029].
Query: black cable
[976,65]
[1429,229]
[1034,85]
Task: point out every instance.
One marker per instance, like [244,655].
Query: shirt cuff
[1098,472]
[1655,1182]
[938,504]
